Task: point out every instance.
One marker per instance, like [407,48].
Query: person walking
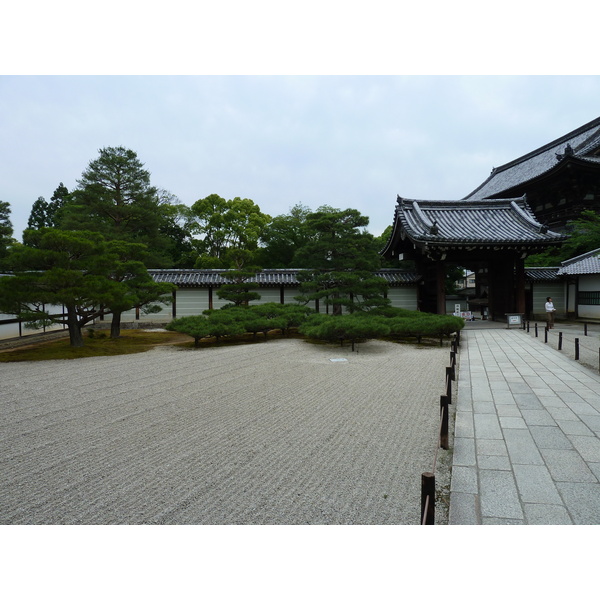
[550,310]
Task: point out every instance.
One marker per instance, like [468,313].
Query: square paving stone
[487,426]
[528,401]
[550,437]
[463,509]
[508,410]
[547,514]
[519,387]
[512,423]
[463,426]
[574,428]
[588,447]
[595,468]
[535,484]
[484,407]
[491,448]
[500,463]
[567,465]
[522,448]
[551,400]
[504,398]
[495,521]
[464,479]
[582,501]
[498,495]
[562,414]
[592,422]
[582,408]
[538,417]
[464,452]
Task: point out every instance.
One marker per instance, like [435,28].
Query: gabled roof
[541,273]
[580,146]
[507,222]
[584,264]
[267,277]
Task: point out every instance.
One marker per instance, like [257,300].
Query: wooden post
[536,330]
[427,499]
[527,326]
[440,275]
[449,383]
[444,428]
[520,284]
[585,329]
[545,335]
[560,340]
[576,348]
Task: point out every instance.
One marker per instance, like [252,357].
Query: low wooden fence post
[560,340]
[536,330]
[444,427]
[576,348]
[427,499]
[449,383]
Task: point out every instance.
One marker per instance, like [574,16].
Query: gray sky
[346,141]
[335,104]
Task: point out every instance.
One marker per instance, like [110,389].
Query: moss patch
[131,341]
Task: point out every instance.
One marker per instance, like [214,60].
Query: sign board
[514,319]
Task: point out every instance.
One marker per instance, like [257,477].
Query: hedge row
[388,322]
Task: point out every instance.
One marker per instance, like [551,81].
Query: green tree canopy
[47,214]
[340,258]
[224,224]
[38,217]
[76,270]
[355,327]
[584,236]
[115,198]
[6,230]
[285,235]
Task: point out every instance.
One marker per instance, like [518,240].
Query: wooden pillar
[520,285]
[440,277]
[174,305]
[210,298]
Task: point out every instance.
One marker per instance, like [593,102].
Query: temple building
[520,209]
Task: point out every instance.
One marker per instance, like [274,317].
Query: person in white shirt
[550,310]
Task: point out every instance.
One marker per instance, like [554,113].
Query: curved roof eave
[498,222]
[517,188]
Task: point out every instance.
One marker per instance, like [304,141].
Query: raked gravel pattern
[269,433]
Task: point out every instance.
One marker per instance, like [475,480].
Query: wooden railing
[428,478]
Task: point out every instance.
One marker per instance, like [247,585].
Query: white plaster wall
[268,295]
[589,283]
[403,297]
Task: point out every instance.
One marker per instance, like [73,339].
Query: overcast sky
[346,141]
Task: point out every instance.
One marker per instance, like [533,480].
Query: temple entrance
[492,238]
[499,283]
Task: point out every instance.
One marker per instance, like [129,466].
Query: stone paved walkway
[527,433]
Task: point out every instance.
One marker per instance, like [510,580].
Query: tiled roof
[584,264]
[482,222]
[266,278]
[541,273]
[580,145]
